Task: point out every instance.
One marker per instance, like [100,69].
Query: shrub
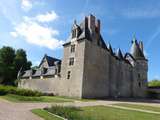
[17,91]
[66,112]
[152,94]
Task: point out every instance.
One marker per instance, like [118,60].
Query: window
[72,48]
[139,84]
[139,75]
[71,61]
[68,74]
[73,33]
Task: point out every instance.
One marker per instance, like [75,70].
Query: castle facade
[90,68]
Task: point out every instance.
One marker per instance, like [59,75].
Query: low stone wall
[46,85]
[55,85]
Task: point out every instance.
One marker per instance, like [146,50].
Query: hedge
[17,91]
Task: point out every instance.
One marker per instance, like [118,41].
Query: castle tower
[85,62]
[141,69]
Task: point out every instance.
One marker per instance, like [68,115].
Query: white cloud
[14,34]
[49,16]
[43,18]
[37,34]
[26,5]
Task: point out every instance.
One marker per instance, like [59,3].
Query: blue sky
[42,26]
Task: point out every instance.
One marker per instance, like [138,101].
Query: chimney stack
[91,23]
[98,26]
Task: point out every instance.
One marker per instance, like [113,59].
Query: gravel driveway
[21,111]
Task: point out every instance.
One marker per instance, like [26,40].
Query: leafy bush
[66,112]
[152,94]
[17,91]
[154,83]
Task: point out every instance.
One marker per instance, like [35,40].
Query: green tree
[11,62]
[21,60]
[7,55]
[154,83]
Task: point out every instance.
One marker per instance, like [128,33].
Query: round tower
[140,73]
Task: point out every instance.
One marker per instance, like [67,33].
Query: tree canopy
[10,63]
[154,83]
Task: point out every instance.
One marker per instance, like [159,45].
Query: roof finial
[75,22]
[134,39]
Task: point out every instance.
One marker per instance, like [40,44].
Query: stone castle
[90,68]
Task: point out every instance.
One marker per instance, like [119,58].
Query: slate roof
[110,49]
[136,52]
[50,71]
[43,71]
[119,54]
[26,73]
[84,33]
[50,60]
[37,73]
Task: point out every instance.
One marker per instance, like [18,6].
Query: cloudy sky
[42,26]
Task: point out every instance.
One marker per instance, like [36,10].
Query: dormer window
[74,33]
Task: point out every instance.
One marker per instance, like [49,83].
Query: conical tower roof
[136,51]
[119,54]
[110,48]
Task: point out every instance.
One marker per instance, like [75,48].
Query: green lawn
[143,107]
[44,114]
[106,113]
[17,98]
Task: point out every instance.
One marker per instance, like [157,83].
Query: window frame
[73,47]
[71,61]
[68,74]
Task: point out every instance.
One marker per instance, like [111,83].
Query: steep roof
[110,49]
[84,32]
[50,60]
[136,51]
[119,54]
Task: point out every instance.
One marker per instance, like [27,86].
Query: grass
[17,98]
[143,107]
[44,114]
[107,113]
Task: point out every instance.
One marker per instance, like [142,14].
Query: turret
[75,30]
[119,54]
[110,48]
[140,69]
[137,50]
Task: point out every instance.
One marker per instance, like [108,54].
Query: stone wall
[46,85]
[96,71]
[106,76]
[74,84]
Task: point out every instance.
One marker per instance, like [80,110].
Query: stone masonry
[90,68]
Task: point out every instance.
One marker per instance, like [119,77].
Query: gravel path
[21,111]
